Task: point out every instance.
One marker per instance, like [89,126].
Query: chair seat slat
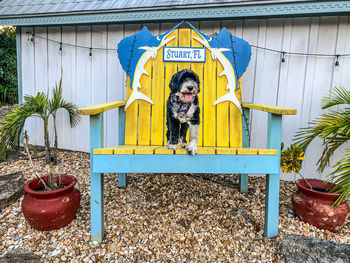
[131,149]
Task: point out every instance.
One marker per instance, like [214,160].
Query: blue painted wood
[96,179]
[297,8]
[19,65]
[122,177]
[273,179]
[260,164]
[121,126]
[243,178]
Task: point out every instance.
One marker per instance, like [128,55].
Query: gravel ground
[159,218]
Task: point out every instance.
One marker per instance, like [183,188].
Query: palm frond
[12,126]
[57,102]
[71,108]
[341,177]
[338,96]
[39,103]
[332,127]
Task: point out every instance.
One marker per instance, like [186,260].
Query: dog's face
[185,84]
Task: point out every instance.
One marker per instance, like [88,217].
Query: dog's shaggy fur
[183,111]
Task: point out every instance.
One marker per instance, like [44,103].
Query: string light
[337,61]
[283,59]
[32,37]
[282,53]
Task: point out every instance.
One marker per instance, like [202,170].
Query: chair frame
[206,163]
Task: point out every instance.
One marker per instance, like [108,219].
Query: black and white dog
[183,111]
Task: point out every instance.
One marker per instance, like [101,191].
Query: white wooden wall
[299,83]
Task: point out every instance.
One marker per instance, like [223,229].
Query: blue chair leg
[122,180]
[243,183]
[272,205]
[97,207]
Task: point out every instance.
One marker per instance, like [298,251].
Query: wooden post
[122,178]
[274,134]
[243,178]
[96,179]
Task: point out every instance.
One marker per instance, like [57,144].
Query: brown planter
[49,210]
[315,207]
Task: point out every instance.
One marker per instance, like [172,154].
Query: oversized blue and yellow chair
[223,133]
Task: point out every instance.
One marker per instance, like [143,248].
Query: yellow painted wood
[131,118]
[170,70]
[145,149]
[109,150]
[222,109]
[93,110]
[124,149]
[134,149]
[220,126]
[184,41]
[144,122]
[198,69]
[157,122]
[236,120]
[163,150]
[181,151]
[201,150]
[271,109]
[206,150]
[209,94]
[267,151]
[225,150]
[247,151]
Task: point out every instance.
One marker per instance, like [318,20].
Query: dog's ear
[194,76]
[196,79]
[174,83]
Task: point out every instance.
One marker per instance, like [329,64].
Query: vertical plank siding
[300,82]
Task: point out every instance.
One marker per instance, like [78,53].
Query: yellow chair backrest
[220,126]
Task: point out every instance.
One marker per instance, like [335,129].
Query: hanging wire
[254,46]
[299,53]
[73,45]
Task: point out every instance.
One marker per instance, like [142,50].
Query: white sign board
[184,54]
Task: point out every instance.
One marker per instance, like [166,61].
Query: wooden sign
[184,54]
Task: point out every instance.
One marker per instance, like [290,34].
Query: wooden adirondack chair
[223,137]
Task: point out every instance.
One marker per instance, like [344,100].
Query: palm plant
[35,106]
[333,127]
[57,102]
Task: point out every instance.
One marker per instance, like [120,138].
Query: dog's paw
[183,144]
[192,148]
[171,146]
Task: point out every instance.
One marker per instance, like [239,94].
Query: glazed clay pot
[49,210]
[315,207]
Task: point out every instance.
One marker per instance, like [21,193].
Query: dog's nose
[190,88]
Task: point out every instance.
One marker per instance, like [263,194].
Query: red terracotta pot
[315,207]
[49,210]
